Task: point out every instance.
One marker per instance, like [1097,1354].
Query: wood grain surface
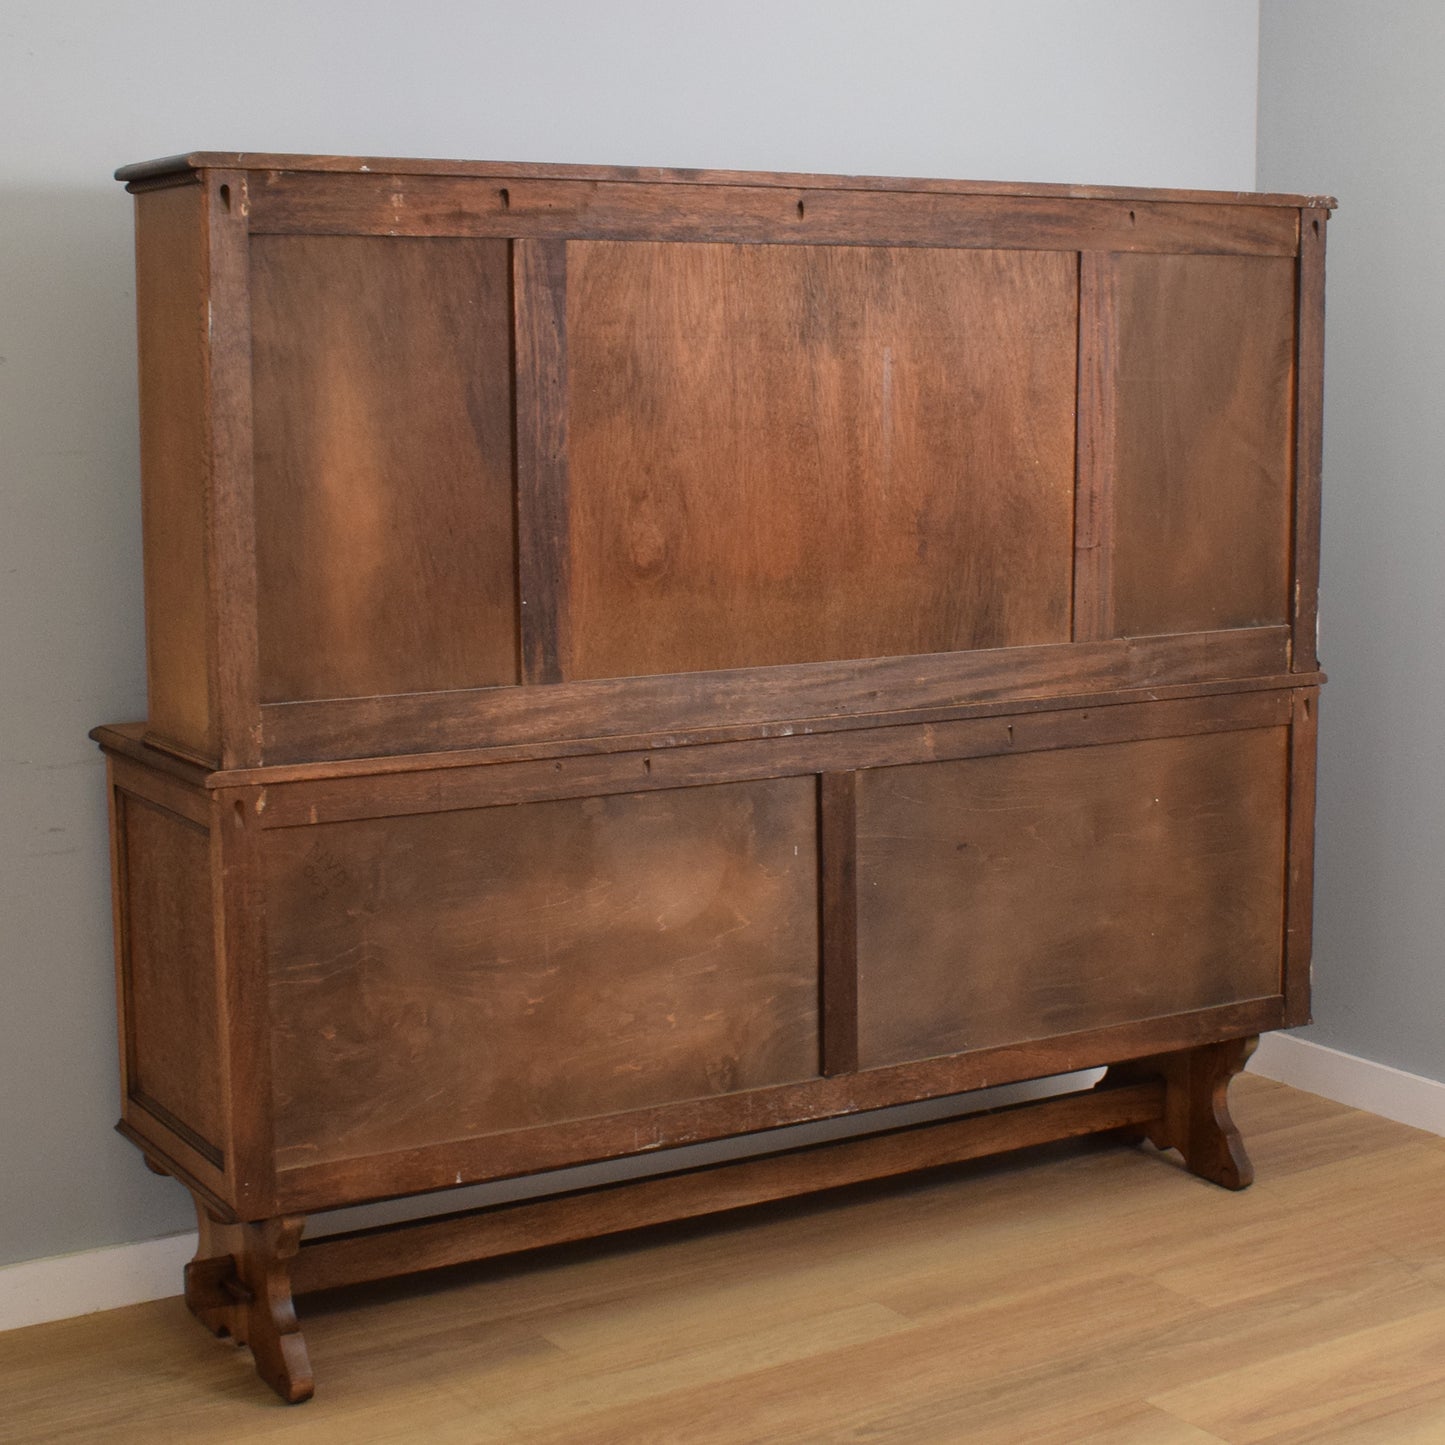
[383,425]
[792,455]
[768,702]
[171,308]
[178,169]
[1309,439]
[775,213]
[1202,443]
[462,974]
[169,1003]
[1011,898]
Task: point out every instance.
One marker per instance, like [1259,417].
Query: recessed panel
[1203,423]
[168,972]
[383,465]
[785,454]
[1017,897]
[437,977]
[171,314]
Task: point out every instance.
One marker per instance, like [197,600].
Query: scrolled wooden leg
[275,1338]
[1196,1119]
[1215,1149]
[213,1287]
[239,1285]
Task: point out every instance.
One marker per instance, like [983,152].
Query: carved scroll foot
[1196,1119]
[239,1285]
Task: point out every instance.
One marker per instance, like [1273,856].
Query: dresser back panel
[1202,454]
[815,430]
[382,403]
[466,973]
[1007,899]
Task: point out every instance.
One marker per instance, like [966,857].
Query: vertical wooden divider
[838,877]
[231,525]
[238,894]
[1309,403]
[1094,451]
[1299,883]
[539,328]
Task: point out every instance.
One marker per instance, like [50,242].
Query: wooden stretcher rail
[714,1189]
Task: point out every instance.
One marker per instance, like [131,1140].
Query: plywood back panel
[787,454]
[1012,898]
[1202,448]
[436,977]
[383,462]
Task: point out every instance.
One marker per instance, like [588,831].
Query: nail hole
[800,209]
[1316,224]
[506,197]
[240,811]
[1131,218]
[225,194]
[556,767]
[1307,707]
[647,765]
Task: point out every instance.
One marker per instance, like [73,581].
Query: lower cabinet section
[346,985]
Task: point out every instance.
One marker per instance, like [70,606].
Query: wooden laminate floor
[1079,1293]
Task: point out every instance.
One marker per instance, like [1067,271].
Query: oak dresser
[643,657]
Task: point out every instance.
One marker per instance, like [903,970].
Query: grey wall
[1351,103]
[1149,92]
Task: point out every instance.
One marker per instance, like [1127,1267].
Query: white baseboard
[1361,1083]
[38,1290]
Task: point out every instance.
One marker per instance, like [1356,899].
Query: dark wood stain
[472,972]
[771,700]
[838,901]
[1005,899]
[787,423]
[537,208]
[539,290]
[521,1151]
[1204,357]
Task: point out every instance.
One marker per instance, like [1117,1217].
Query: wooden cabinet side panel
[1201,442]
[172,297]
[1309,439]
[383,465]
[169,997]
[797,454]
[461,974]
[1299,924]
[1014,898]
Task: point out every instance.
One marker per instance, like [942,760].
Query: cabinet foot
[239,1286]
[1196,1119]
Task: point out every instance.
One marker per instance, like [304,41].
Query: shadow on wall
[72,653]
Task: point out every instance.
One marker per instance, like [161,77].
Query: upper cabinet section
[442,456]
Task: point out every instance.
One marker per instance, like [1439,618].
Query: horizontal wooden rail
[405,1248]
